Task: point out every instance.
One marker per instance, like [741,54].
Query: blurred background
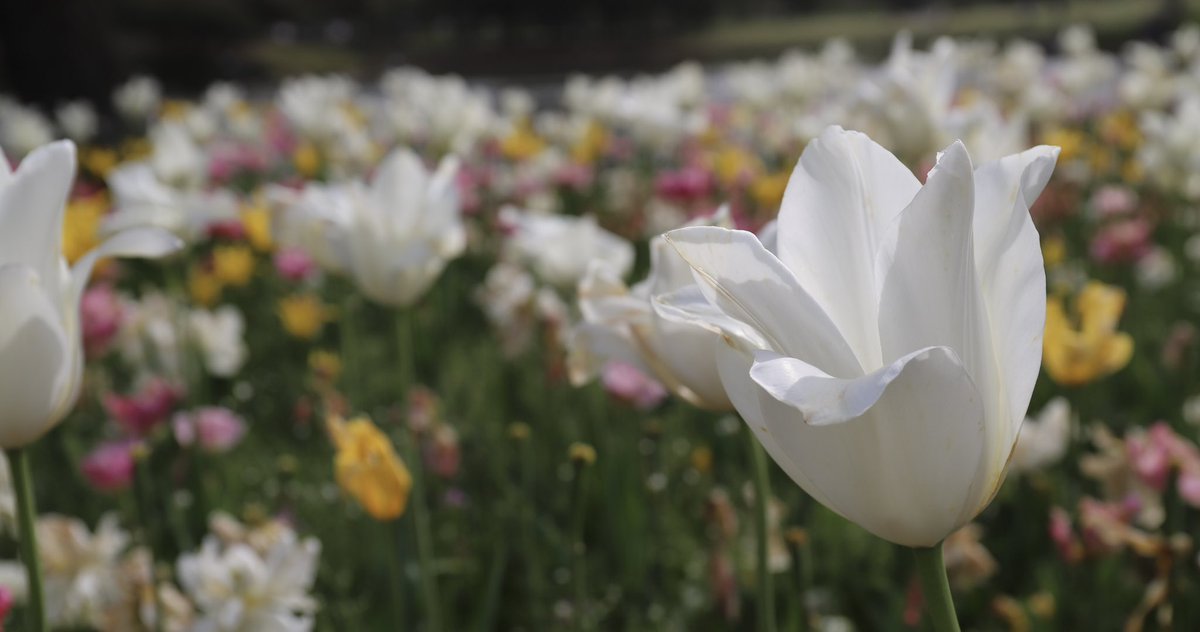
[63,49]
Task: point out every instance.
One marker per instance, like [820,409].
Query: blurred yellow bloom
[734,163]
[582,453]
[203,286]
[135,149]
[523,143]
[81,226]
[233,265]
[1121,128]
[98,160]
[174,110]
[702,459]
[1132,172]
[307,159]
[593,143]
[303,315]
[1072,142]
[366,467]
[1054,251]
[256,220]
[767,190]
[1078,352]
[326,365]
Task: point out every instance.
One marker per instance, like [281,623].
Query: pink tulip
[214,429]
[294,264]
[684,185]
[109,468]
[628,384]
[1112,200]
[100,313]
[139,413]
[1124,241]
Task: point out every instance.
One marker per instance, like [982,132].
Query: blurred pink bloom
[1112,200]
[230,160]
[625,382]
[470,181]
[575,176]
[1124,241]
[684,185]
[6,604]
[101,314]
[1189,487]
[139,413]
[294,264]
[214,429]
[1150,461]
[109,468]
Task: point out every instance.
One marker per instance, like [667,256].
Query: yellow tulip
[233,265]
[303,315]
[81,228]
[523,143]
[366,467]
[203,286]
[256,220]
[1079,351]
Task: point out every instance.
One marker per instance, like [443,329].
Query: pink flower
[1124,241]
[6,604]
[101,314]
[575,176]
[294,264]
[442,453]
[1188,485]
[1063,535]
[684,185]
[214,428]
[1112,200]
[139,413]
[231,230]
[628,384]
[1150,461]
[109,468]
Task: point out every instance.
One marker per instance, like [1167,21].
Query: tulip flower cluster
[705,349]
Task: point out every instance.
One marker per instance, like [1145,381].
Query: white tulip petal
[843,194]
[910,468]
[399,188]
[745,281]
[34,357]
[1008,257]
[5,169]
[32,203]
[733,365]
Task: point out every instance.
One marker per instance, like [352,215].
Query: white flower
[138,99]
[1044,439]
[236,588]
[219,336]
[886,356]
[22,129]
[78,120]
[83,578]
[560,248]
[41,346]
[393,237]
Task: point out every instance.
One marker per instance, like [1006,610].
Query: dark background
[51,50]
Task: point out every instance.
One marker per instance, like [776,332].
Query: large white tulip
[41,349]
[393,237]
[885,356]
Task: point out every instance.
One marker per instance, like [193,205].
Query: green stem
[936,588]
[391,533]
[762,504]
[18,458]
[578,547]
[351,376]
[429,591]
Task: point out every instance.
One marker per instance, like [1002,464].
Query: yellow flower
[81,226]
[1072,142]
[233,265]
[702,459]
[734,163]
[582,453]
[135,149]
[203,286]
[174,110]
[1054,251]
[593,143]
[98,160]
[1121,128]
[1078,353]
[767,190]
[307,159]
[523,143]
[303,315]
[325,364]
[367,468]
[256,220]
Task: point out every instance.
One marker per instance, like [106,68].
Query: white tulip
[886,356]
[560,248]
[41,348]
[619,324]
[393,237]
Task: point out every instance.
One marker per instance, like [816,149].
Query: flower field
[412,353]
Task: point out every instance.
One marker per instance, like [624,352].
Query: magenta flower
[294,264]
[214,429]
[625,382]
[109,468]
[139,413]
[100,313]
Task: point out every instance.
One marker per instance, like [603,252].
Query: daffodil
[1088,347]
[366,467]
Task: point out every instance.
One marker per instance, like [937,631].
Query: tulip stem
[931,567]
[18,459]
[762,503]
